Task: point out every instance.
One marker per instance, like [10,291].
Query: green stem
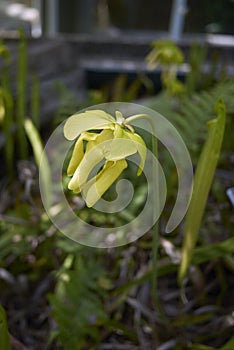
[21,96]
[35,102]
[8,120]
[156,203]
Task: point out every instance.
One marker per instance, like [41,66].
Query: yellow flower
[92,148]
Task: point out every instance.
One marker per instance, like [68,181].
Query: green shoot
[202,184]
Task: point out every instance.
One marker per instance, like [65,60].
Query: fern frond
[77,304]
[191,114]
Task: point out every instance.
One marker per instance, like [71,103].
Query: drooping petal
[141,149]
[97,186]
[78,151]
[94,154]
[77,155]
[88,120]
[89,161]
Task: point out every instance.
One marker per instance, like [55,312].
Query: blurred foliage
[6,108]
[117,90]
[13,109]
[61,295]
[168,56]
[4,336]
[121,90]
[164,53]
[191,114]
[21,98]
[203,179]
[77,304]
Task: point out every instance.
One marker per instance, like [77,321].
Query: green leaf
[4,335]
[91,119]
[21,95]
[77,303]
[40,159]
[202,183]
[35,101]
[201,347]
[213,251]
[8,104]
[34,139]
[191,319]
[229,345]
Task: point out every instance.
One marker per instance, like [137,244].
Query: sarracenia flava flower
[103,143]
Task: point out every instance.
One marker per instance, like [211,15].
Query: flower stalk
[109,145]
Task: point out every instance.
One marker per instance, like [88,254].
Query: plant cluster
[161,292]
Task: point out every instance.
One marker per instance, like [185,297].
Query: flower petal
[91,119]
[118,132]
[120,149]
[141,149]
[93,155]
[78,151]
[89,161]
[77,155]
[119,117]
[97,186]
